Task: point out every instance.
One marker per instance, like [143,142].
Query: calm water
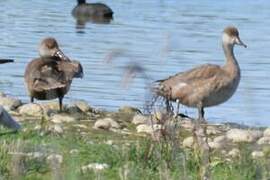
[164,36]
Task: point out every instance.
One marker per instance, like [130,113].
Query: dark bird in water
[95,12]
[50,76]
[3,61]
[5,118]
[207,85]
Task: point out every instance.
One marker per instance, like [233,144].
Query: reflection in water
[81,21]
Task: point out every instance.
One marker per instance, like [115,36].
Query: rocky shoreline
[129,121]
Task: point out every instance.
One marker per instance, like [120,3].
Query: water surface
[164,36]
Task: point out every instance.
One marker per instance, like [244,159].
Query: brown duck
[207,85]
[50,76]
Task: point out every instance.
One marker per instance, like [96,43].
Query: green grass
[129,157]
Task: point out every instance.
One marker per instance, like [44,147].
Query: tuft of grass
[128,158]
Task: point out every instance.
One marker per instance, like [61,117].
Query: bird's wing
[200,74]
[46,84]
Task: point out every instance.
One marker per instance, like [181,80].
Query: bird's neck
[81,1]
[231,65]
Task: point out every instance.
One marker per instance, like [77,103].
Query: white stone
[9,103]
[220,139]
[74,151]
[218,142]
[35,155]
[149,129]
[266,132]
[212,130]
[109,142]
[140,119]
[257,154]
[94,167]
[59,118]
[188,142]
[82,126]
[242,135]
[52,106]
[56,128]
[215,145]
[264,140]
[37,127]
[55,158]
[234,153]
[106,124]
[31,109]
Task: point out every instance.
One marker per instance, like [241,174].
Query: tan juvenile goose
[50,76]
[206,85]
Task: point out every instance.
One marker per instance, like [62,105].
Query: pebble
[106,124]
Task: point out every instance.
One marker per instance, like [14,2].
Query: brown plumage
[50,76]
[206,85]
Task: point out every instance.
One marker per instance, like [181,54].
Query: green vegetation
[24,155]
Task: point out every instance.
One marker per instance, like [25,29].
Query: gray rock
[36,155]
[266,132]
[81,126]
[9,103]
[106,124]
[234,153]
[187,125]
[73,110]
[74,151]
[83,106]
[61,118]
[140,119]
[264,140]
[149,129]
[56,128]
[218,142]
[52,107]
[242,135]
[257,154]
[221,139]
[188,142]
[215,145]
[129,110]
[31,110]
[213,130]
[94,167]
[55,158]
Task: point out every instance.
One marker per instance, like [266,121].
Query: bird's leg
[168,105]
[31,99]
[177,108]
[201,114]
[60,103]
